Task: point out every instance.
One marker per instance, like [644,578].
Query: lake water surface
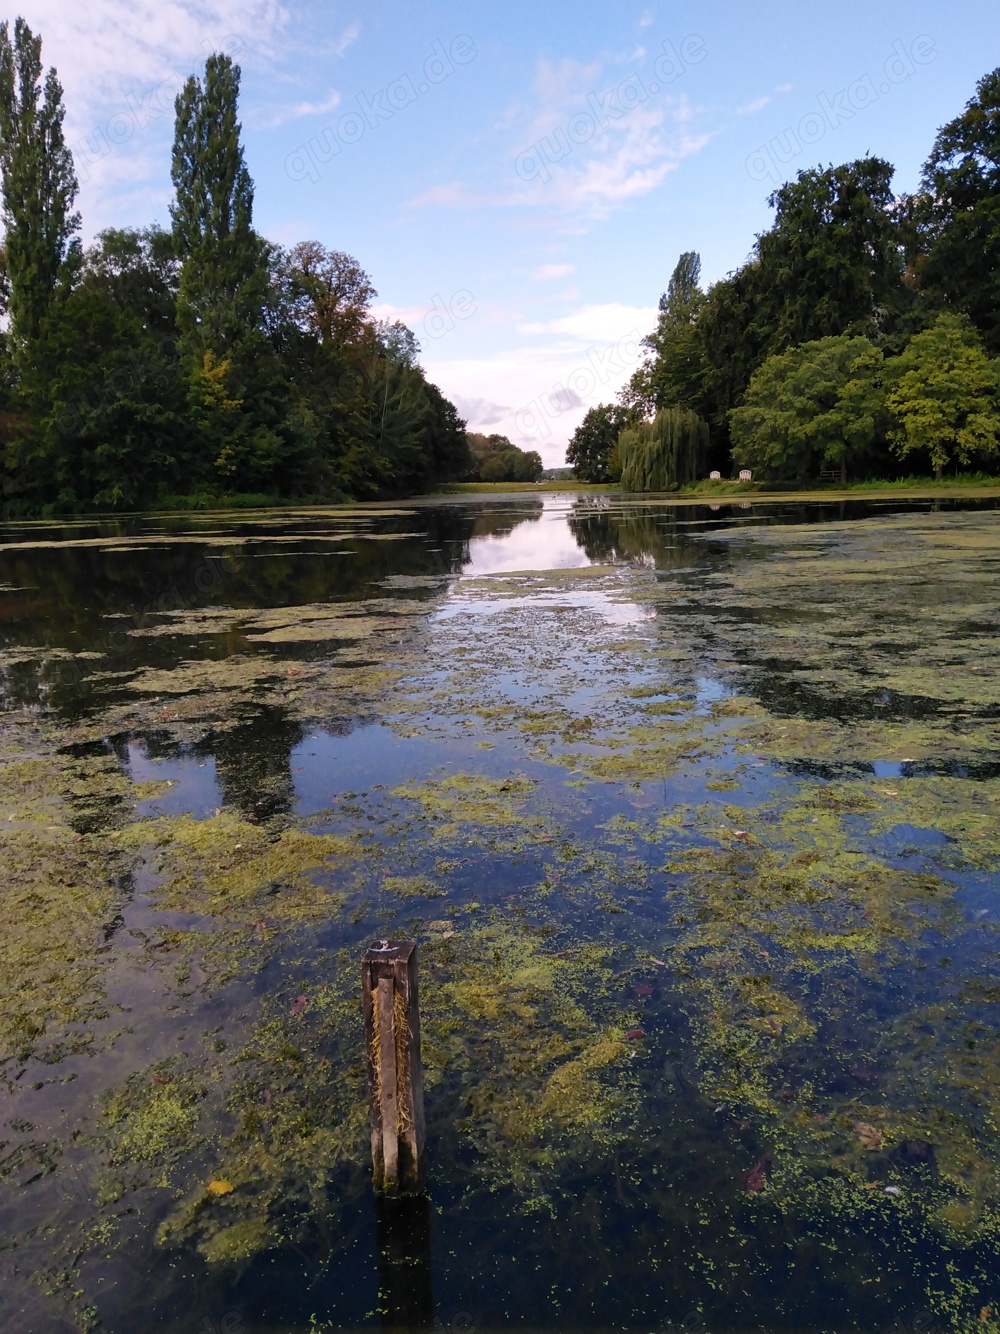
[695,815]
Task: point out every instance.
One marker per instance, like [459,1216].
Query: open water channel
[695,815]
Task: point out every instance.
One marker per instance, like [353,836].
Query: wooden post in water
[395,1075]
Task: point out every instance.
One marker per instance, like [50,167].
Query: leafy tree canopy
[330,292]
[224,279]
[944,396]
[820,404]
[39,186]
[961,181]
[590,451]
[674,369]
[831,264]
[497,459]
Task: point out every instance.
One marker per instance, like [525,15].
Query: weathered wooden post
[395,1075]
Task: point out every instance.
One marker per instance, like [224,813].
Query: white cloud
[785,88]
[452,194]
[346,39]
[647,19]
[559,89]
[107,48]
[592,144]
[581,145]
[410,315]
[570,365]
[564,400]
[751,108]
[479,412]
[303,109]
[550,271]
[598,323]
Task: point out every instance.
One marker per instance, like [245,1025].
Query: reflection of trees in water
[500,521]
[644,534]
[679,536]
[253,764]
[61,597]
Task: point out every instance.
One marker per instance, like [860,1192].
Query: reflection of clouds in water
[546,542]
[615,610]
[539,544]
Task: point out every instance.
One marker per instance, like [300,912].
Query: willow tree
[224,277]
[666,452]
[39,187]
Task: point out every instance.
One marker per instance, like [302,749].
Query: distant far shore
[699,492]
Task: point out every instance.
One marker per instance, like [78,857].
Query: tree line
[196,362]
[497,459]
[860,337]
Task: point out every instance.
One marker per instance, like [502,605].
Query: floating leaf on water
[756,1179]
[869,1136]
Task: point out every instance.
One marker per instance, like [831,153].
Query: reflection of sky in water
[195,787]
[591,599]
[536,544]
[887,768]
[542,544]
[709,691]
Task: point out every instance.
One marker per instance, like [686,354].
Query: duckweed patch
[700,843]
[62,883]
[225,867]
[471,806]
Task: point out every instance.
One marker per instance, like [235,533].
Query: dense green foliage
[945,396]
[818,405]
[591,451]
[673,375]
[959,258]
[494,458]
[198,363]
[223,277]
[39,188]
[664,453]
[827,349]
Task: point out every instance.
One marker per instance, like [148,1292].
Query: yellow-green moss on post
[395,1075]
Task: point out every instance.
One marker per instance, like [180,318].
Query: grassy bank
[971,484]
[507,488]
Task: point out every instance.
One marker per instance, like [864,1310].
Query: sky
[518,179]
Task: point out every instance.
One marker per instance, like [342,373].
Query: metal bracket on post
[395,1075]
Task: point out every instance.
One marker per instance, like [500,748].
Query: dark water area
[694,812]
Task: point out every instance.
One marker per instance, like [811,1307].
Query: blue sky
[517,178]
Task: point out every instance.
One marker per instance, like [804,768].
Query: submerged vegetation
[699,841]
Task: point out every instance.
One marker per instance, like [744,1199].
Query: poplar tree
[961,202]
[223,280]
[39,186]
